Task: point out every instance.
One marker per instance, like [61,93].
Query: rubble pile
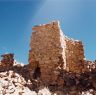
[16,81]
[74,56]
[12,83]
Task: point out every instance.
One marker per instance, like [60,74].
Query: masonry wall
[51,51]
[74,56]
[47,51]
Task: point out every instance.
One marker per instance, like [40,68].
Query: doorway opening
[37,73]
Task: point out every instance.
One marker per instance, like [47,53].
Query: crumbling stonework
[89,65]
[74,56]
[51,51]
[56,60]
[56,63]
[47,51]
[7,60]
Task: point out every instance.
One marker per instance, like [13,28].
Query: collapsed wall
[7,60]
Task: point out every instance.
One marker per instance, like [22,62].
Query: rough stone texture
[7,60]
[57,67]
[89,65]
[16,81]
[74,56]
[51,51]
[47,51]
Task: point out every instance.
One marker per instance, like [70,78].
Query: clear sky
[77,18]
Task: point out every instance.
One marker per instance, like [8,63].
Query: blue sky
[77,19]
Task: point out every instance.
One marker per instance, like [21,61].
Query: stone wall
[51,52]
[74,56]
[7,60]
[47,51]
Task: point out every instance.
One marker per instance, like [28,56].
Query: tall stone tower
[52,51]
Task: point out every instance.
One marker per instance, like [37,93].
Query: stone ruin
[55,61]
[7,60]
[51,52]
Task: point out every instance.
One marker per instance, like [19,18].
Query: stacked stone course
[74,56]
[51,51]
[46,51]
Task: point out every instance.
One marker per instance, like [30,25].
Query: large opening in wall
[37,73]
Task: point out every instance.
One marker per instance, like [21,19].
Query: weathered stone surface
[57,67]
[47,51]
[51,51]
[74,56]
[7,60]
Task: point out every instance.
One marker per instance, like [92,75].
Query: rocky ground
[16,81]
[12,82]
